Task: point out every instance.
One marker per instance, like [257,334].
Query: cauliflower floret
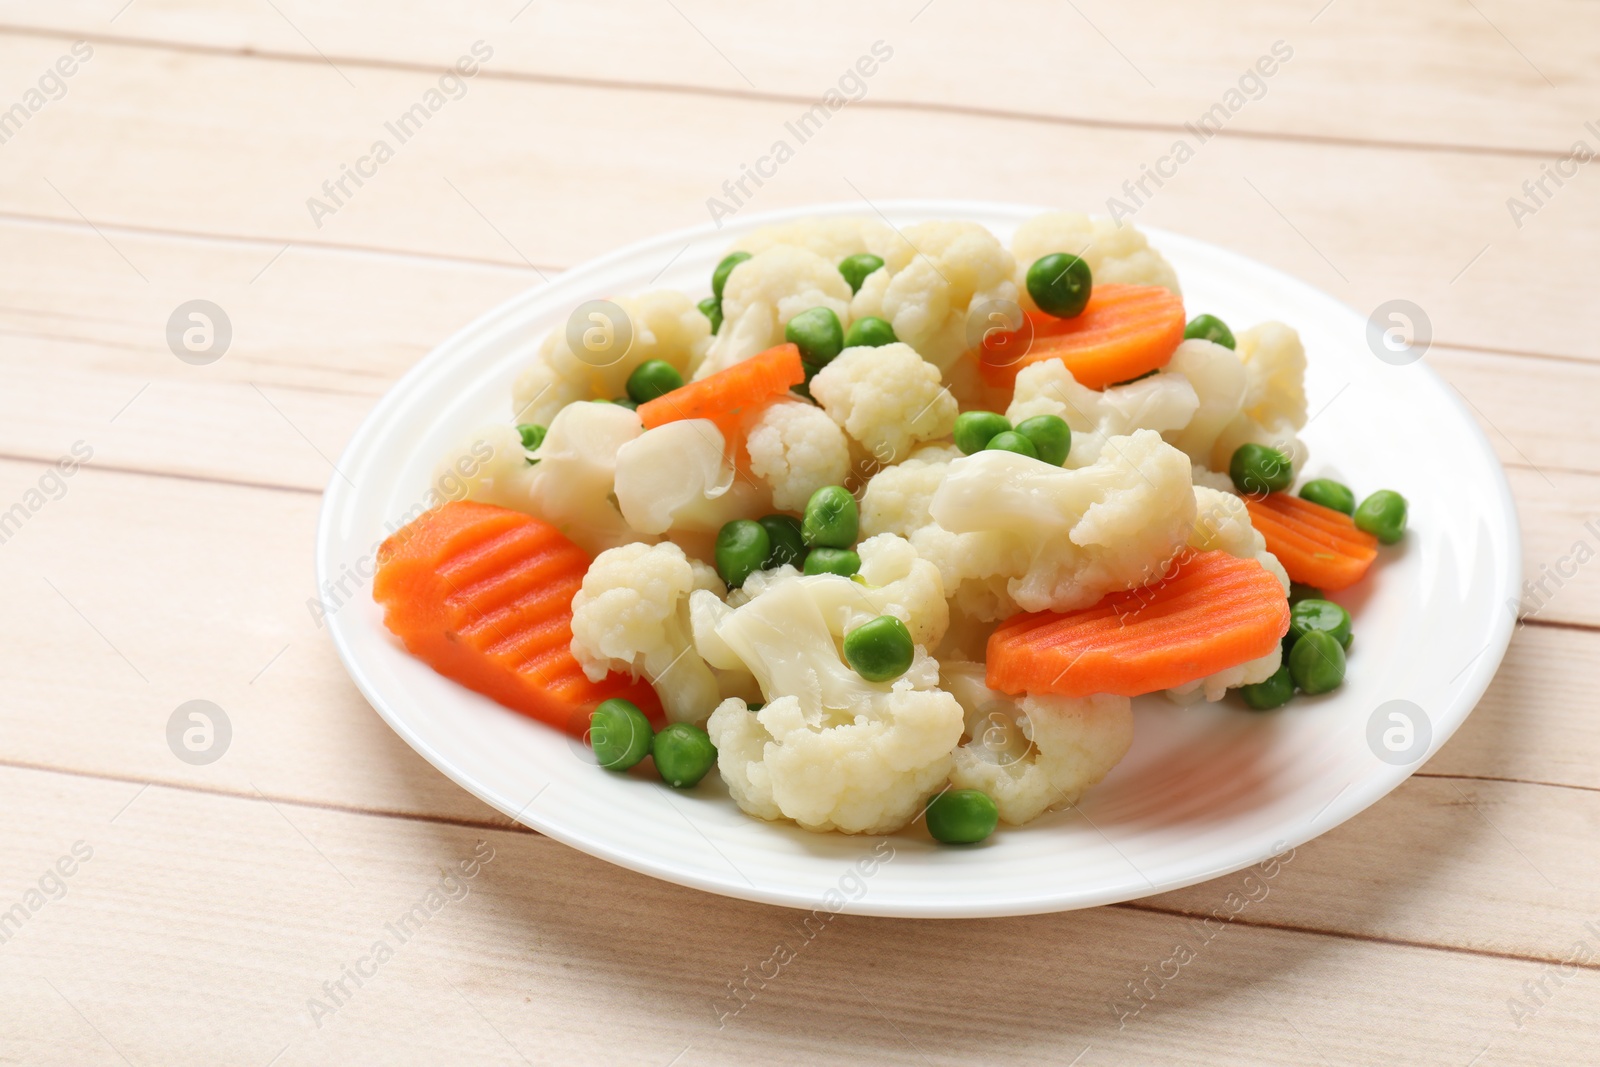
[976,568]
[1078,534]
[887,398]
[675,477]
[959,267]
[1274,407]
[666,325]
[797,449]
[829,750]
[896,499]
[1039,753]
[834,239]
[570,486]
[1115,251]
[632,615]
[1218,380]
[763,293]
[894,581]
[492,468]
[1160,402]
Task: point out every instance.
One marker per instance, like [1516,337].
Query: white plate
[1205,791]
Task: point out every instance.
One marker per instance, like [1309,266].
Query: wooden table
[210,907]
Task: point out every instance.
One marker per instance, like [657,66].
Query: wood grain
[1433,927]
[550,956]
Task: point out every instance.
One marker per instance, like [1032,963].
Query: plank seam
[618,85]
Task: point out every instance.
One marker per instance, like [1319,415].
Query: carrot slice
[483,595]
[726,395]
[1316,545]
[1126,331]
[1210,611]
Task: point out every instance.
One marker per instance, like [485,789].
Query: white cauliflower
[797,449]
[632,615]
[1161,402]
[896,499]
[1039,753]
[492,468]
[1115,251]
[959,267]
[1065,538]
[1218,380]
[1274,407]
[666,325]
[893,581]
[763,293]
[676,477]
[829,750]
[888,398]
[834,239]
[571,485]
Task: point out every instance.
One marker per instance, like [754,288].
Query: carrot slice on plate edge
[1209,611]
[483,595]
[1317,545]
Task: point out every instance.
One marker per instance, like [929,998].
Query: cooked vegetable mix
[867,545]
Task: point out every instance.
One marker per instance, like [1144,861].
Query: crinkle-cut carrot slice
[483,595]
[1125,331]
[1316,545]
[1208,612]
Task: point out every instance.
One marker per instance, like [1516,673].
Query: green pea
[870,332]
[833,561]
[532,435]
[975,429]
[626,402]
[619,734]
[831,518]
[1383,515]
[804,388]
[787,545]
[755,706]
[1257,469]
[742,547]
[653,378]
[856,268]
[1298,592]
[1330,494]
[962,816]
[880,650]
[1209,328]
[711,308]
[1051,437]
[1060,284]
[818,334]
[1012,441]
[684,754]
[1317,662]
[1323,615]
[719,277]
[1275,692]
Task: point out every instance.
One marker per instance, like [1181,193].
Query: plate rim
[1346,805]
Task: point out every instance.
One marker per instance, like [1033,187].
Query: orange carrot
[1209,611]
[1316,545]
[483,595]
[726,395]
[1126,331]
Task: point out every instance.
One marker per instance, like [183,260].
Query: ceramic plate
[1206,790]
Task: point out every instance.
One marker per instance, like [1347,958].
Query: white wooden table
[210,908]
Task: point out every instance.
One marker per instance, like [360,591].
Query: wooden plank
[524,172]
[143,643]
[1507,76]
[546,955]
